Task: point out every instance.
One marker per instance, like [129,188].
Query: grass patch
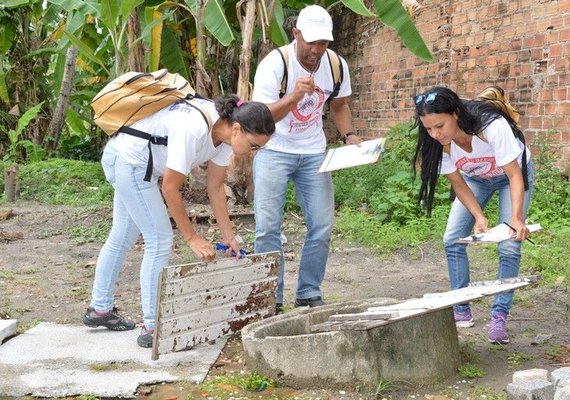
[515,359]
[470,371]
[103,367]
[62,181]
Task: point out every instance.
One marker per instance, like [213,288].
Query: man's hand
[481,224]
[303,86]
[353,139]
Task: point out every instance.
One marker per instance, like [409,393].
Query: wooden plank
[414,307]
[364,316]
[201,302]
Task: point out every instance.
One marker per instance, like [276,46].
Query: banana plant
[17,144]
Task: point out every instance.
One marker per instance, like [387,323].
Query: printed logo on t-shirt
[308,111]
[484,167]
[181,106]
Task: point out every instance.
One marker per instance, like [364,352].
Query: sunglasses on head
[428,98]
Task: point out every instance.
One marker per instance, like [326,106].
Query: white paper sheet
[496,234]
[352,155]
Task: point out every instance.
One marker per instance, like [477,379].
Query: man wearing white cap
[297,148]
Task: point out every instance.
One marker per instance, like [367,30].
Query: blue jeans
[460,224]
[138,208]
[272,171]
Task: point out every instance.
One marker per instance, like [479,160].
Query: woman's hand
[202,248]
[233,245]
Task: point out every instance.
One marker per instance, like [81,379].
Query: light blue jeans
[272,171]
[460,224]
[138,208]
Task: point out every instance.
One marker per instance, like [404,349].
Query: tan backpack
[136,95]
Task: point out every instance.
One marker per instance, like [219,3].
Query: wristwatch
[345,136]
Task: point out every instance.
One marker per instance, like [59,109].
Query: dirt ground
[47,273]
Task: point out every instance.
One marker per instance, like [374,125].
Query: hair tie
[240,103]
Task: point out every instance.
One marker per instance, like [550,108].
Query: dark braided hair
[472,118]
[253,117]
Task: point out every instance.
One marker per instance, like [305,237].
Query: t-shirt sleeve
[447,166]
[268,77]
[224,155]
[500,136]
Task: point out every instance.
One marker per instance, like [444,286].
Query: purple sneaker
[463,319]
[498,329]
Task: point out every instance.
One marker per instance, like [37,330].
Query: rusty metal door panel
[200,302]
[179,305]
[231,275]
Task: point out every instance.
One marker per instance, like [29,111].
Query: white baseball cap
[315,23]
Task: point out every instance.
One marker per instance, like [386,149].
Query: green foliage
[17,144]
[385,387]
[386,188]
[252,381]
[515,359]
[60,181]
[470,371]
[549,204]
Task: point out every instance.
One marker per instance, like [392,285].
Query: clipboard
[353,155]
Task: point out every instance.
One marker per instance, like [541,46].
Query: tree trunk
[136,49]
[11,185]
[245,54]
[240,178]
[56,123]
[203,83]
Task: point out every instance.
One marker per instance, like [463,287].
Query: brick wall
[521,45]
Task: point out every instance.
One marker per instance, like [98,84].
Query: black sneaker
[112,321]
[279,308]
[310,302]
[145,338]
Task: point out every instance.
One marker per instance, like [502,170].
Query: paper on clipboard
[352,155]
[495,235]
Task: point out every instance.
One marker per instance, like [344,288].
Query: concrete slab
[8,327]
[53,360]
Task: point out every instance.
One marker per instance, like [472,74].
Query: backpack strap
[152,139]
[337,72]
[335,65]
[284,53]
[161,140]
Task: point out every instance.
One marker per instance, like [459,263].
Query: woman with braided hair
[477,146]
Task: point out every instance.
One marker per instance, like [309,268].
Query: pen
[516,231]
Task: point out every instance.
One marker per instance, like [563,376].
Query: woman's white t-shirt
[301,131]
[486,159]
[189,140]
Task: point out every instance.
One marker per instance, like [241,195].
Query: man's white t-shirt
[189,140]
[486,159]
[301,131]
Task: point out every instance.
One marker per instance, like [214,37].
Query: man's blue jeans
[138,208]
[272,171]
[460,224]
